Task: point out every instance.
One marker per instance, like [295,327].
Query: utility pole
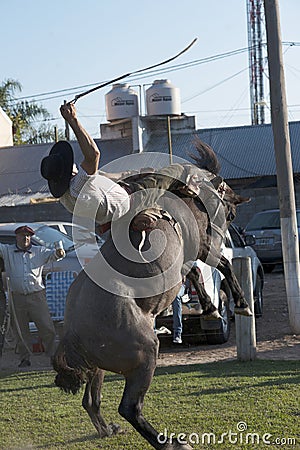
[288,221]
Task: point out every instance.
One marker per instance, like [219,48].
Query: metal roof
[244,152]
[20,165]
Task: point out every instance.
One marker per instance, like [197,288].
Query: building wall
[6,136]
[264,198]
[261,199]
[35,213]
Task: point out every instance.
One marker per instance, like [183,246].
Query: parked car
[265,227]
[82,234]
[46,236]
[218,331]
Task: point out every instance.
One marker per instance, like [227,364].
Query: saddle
[145,221]
[193,182]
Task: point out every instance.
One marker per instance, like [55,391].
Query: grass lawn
[221,398]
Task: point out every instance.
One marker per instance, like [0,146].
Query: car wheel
[258,297]
[222,335]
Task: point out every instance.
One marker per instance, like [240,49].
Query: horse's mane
[205,158]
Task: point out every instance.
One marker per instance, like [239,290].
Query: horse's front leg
[241,304]
[138,381]
[210,312]
[91,402]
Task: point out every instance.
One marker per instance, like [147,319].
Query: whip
[133,73]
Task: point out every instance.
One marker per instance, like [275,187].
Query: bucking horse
[112,304]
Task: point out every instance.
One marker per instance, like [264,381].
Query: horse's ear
[238,199]
[234,198]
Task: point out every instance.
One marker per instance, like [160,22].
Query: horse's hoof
[243,311]
[114,428]
[211,314]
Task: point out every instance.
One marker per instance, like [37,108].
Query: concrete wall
[261,199]
[35,213]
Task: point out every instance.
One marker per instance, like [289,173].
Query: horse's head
[231,201]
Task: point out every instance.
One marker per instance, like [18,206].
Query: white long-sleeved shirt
[24,268]
[95,196]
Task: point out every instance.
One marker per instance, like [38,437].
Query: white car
[82,234]
[217,331]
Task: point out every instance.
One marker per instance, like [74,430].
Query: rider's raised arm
[87,144]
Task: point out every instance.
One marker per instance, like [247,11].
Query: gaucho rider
[105,199]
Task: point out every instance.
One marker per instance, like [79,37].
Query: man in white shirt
[102,198]
[101,193]
[23,264]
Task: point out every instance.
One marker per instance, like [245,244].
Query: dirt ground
[274,338]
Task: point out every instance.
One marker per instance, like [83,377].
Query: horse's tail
[205,158]
[69,379]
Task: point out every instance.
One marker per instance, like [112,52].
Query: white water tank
[163,98]
[121,102]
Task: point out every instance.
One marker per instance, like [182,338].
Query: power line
[146,74]
[76,89]
[73,90]
[215,85]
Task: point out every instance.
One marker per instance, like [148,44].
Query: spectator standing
[177,316]
[24,264]
[181,297]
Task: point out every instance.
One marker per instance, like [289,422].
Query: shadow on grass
[234,368]
[281,373]
[33,380]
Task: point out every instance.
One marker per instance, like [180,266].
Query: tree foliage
[24,116]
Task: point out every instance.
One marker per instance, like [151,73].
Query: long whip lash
[133,73]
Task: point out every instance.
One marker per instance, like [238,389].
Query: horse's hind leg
[241,304]
[131,406]
[210,312]
[91,402]
[215,259]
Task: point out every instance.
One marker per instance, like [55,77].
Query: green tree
[24,114]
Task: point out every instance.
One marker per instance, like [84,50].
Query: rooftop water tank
[121,102]
[162,98]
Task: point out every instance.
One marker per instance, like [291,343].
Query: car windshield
[82,235]
[266,221]
[47,236]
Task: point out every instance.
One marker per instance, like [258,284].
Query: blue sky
[62,44]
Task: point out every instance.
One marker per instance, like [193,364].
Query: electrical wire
[149,73]
[215,85]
